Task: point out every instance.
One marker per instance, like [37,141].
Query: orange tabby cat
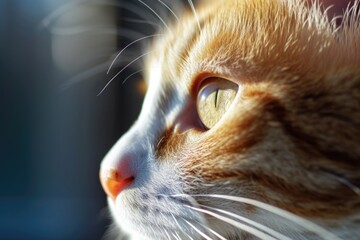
[250,128]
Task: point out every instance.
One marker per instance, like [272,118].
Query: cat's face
[250,129]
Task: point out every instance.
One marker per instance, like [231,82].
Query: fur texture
[284,160]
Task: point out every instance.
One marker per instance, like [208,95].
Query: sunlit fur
[291,138]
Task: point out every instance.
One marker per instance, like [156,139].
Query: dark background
[53,134]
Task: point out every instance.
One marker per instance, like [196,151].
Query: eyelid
[201,79]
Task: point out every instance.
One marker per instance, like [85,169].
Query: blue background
[52,140]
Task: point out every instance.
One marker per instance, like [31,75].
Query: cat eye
[214,99]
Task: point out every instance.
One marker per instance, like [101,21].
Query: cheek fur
[256,149]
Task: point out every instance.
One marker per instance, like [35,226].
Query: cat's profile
[250,128]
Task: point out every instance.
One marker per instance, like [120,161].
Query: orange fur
[301,80]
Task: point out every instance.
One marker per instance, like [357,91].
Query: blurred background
[54,128]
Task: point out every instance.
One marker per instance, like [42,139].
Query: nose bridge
[128,160]
[123,163]
[129,146]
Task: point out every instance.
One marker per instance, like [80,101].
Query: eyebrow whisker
[157,15]
[127,46]
[195,14]
[167,6]
[117,74]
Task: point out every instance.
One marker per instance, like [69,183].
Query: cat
[250,127]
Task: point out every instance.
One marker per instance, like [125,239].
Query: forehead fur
[260,36]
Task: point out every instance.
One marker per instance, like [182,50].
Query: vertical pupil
[216,98]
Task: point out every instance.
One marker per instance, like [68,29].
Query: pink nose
[114,180]
[113,183]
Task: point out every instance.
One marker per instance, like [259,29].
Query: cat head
[250,128]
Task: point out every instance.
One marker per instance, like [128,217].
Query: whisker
[347,183]
[202,225]
[79,30]
[112,79]
[133,20]
[157,15]
[164,229]
[342,180]
[127,46]
[132,75]
[173,13]
[167,234]
[195,14]
[190,237]
[56,14]
[241,226]
[280,212]
[85,75]
[48,20]
[207,228]
[251,222]
[100,68]
[198,230]
[215,233]
[177,234]
[176,237]
[130,34]
[212,231]
[176,221]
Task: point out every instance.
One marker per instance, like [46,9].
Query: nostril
[113,182]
